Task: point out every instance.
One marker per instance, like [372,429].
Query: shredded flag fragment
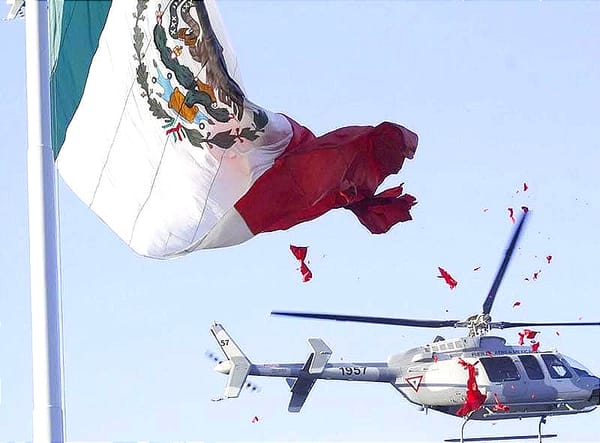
[527,334]
[511,215]
[499,406]
[477,268]
[525,187]
[517,303]
[537,274]
[447,278]
[300,253]
[535,345]
[255,419]
[548,258]
[474,398]
[524,208]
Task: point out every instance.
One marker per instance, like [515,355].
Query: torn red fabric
[383,210]
[511,214]
[477,268]
[527,334]
[557,333]
[517,303]
[435,358]
[300,253]
[343,168]
[537,274]
[489,353]
[474,398]
[447,278]
[548,258]
[535,345]
[255,419]
[525,187]
[524,208]
[306,273]
[499,406]
[530,333]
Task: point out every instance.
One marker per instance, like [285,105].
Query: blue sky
[499,93]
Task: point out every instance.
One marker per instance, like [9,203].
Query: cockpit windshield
[579,369]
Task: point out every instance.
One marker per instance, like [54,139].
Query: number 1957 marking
[353,370]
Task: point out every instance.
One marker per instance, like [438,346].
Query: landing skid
[539,435]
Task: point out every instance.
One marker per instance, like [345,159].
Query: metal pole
[48,420]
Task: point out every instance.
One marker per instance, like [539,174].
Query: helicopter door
[535,383]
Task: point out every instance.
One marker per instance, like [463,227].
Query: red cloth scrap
[447,278]
[525,187]
[527,334]
[535,345]
[511,214]
[300,253]
[524,208]
[474,398]
[548,258]
[477,268]
[517,303]
[499,406]
[537,274]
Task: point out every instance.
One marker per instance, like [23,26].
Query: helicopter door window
[500,369]
[555,367]
[532,367]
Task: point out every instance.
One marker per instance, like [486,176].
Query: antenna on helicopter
[477,324]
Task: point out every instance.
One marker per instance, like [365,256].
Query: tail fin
[240,365]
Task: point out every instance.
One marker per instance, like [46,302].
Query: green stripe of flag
[75,28]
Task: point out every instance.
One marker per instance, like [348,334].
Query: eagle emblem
[188,85]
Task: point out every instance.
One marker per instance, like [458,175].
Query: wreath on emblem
[191,102]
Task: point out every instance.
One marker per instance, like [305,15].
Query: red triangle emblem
[414,382]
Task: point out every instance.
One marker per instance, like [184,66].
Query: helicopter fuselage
[515,382]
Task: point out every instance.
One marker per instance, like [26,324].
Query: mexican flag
[153,130]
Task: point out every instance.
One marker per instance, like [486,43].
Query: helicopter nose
[223,367]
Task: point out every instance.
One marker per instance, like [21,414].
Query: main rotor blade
[376,320]
[517,324]
[489,300]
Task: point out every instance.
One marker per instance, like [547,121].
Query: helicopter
[477,377]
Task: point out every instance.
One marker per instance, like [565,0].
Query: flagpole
[48,417]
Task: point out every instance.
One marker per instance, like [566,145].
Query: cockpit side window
[532,367]
[579,369]
[555,367]
[500,369]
